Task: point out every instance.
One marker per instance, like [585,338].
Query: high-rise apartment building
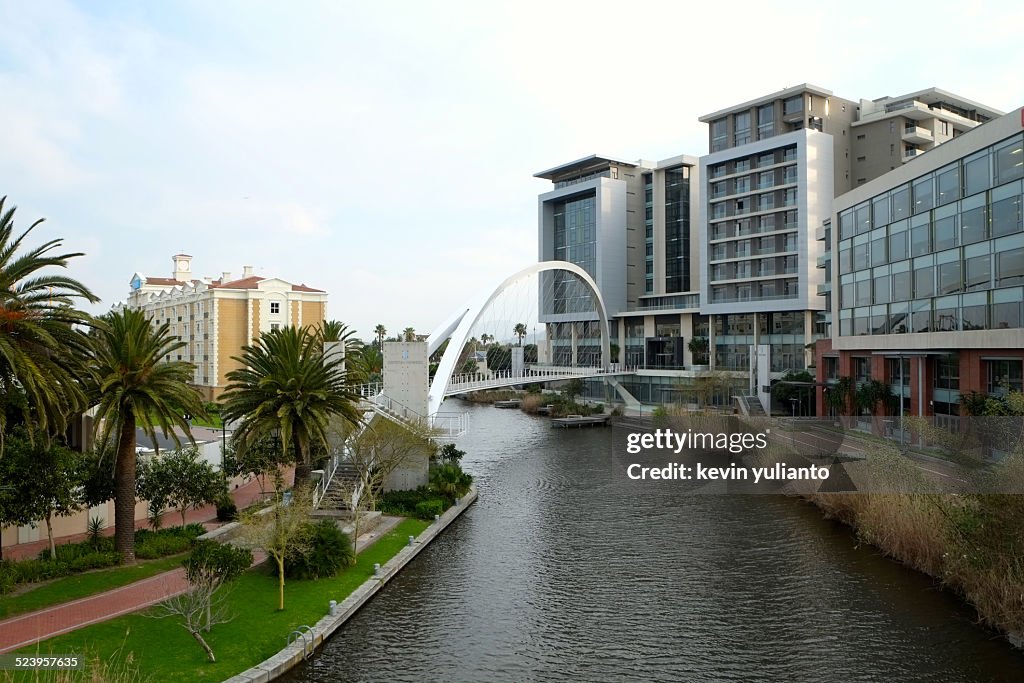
[927,274]
[215,318]
[728,249]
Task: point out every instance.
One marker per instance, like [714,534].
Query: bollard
[332,609]
[376,569]
[412,539]
[437,518]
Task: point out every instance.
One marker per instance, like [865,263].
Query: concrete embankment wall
[292,655]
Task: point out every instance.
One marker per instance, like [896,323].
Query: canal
[559,572]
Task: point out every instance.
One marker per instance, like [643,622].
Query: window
[949,277]
[898,241]
[946,233]
[881,286]
[947,183]
[947,373]
[1006,210]
[920,236]
[1006,305]
[275,307]
[1003,375]
[901,281]
[924,198]
[793,105]
[765,121]
[974,311]
[275,326]
[900,203]
[973,219]
[1009,160]
[977,174]
[719,135]
[880,208]
[924,278]
[862,217]
[978,272]
[741,125]
[1010,267]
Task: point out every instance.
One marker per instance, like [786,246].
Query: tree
[409,334]
[286,387]
[40,481]
[572,389]
[530,353]
[136,387]
[380,331]
[200,608]
[281,533]
[520,331]
[499,358]
[179,480]
[261,457]
[369,363]
[211,562]
[40,349]
[486,338]
[375,452]
[785,392]
[699,346]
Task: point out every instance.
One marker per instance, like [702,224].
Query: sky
[385,151]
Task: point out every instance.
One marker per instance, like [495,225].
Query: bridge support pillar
[407,374]
[518,361]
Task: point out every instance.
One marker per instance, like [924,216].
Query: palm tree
[40,349]
[486,338]
[520,331]
[380,331]
[337,332]
[409,334]
[136,387]
[287,388]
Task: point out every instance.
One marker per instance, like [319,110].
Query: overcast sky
[384,151]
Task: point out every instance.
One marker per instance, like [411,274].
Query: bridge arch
[468,318]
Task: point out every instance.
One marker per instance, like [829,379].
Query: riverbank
[294,654]
[971,544]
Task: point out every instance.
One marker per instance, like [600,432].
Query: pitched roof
[169,281]
[253,283]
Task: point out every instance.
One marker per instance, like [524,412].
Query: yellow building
[215,318]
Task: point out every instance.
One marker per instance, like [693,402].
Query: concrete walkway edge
[293,655]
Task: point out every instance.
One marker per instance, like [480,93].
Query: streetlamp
[793,402]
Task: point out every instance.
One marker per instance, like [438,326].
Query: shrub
[450,454]
[94,560]
[329,550]
[95,530]
[227,511]
[403,503]
[449,481]
[221,560]
[7,578]
[426,509]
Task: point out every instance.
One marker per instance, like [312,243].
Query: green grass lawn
[77,586]
[163,650]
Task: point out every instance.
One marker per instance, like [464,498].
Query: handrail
[311,643]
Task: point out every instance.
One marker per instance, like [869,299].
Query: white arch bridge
[387,399]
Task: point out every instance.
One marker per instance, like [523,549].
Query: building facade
[216,318]
[727,250]
[927,275]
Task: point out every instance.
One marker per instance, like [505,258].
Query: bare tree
[379,449]
[281,532]
[201,606]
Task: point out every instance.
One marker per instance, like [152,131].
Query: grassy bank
[163,651]
[972,544]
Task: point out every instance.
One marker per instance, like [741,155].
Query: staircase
[339,489]
[750,406]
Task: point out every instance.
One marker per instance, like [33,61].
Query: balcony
[824,289]
[909,154]
[823,259]
[916,135]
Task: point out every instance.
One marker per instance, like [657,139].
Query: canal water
[559,572]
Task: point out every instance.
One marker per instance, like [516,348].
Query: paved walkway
[30,628]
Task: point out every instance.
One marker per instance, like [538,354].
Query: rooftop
[764,99]
[593,161]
